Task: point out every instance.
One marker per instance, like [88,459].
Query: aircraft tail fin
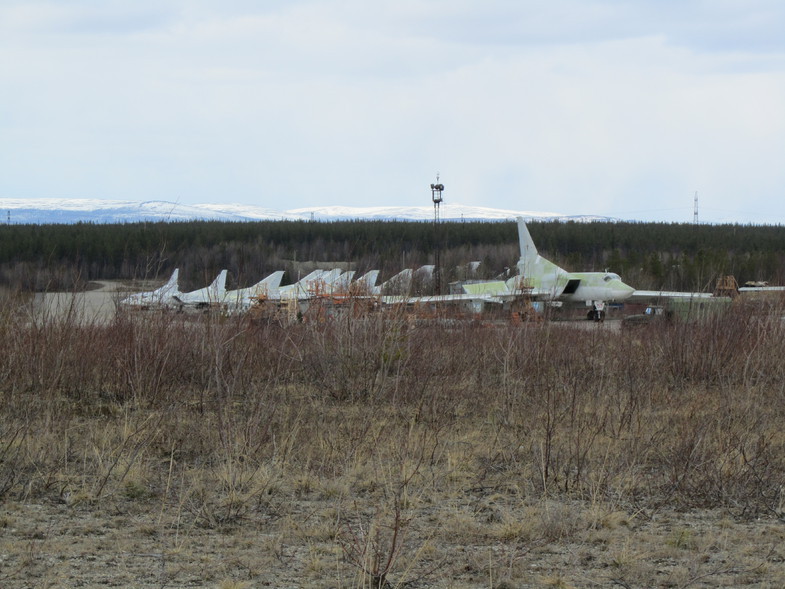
[344,281]
[330,277]
[171,287]
[218,287]
[368,280]
[309,278]
[273,281]
[528,249]
[173,279]
[400,284]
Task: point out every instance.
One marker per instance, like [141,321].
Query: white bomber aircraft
[545,281]
[299,288]
[160,297]
[401,283]
[241,299]
[541,279]
[365,284]
[207,296]
[304,288]
[342,284]
[548,281]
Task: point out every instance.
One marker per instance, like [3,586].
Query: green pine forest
[646,255]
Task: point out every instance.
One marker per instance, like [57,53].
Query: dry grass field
[176,450]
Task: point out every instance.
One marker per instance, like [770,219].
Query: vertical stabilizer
[367,281]
[536,271]
[328,279]
[173,280]
[273,281]
[217,290]
[219,283]
[301,287]
[159,296]
[400,284]
[343,282]
[528,249]
[170,289]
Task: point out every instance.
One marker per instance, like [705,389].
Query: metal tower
[695,214]
[436,196]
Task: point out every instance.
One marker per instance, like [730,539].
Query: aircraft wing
[647,295]
[762,289]
[541,294]
[436,299]
[499,291]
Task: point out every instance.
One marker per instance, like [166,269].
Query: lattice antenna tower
[436,196]
[695,214]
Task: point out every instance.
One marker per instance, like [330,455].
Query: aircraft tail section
[172,283]
[535,271]
[219,283]
[329,278]
[265,287]
[367,282]
[302,286]
[273,281]
[217,290]
[309,278]
[528,249]
[170,289]
[158,296]
[400,284]
[343,282]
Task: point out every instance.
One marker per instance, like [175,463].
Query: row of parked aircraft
[537,278]
[317,282]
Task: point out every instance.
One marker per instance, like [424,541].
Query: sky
[624,109]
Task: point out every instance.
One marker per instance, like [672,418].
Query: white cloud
[584,107]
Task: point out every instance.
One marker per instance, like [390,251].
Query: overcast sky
[618,108]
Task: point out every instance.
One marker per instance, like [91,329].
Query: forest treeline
[646,255]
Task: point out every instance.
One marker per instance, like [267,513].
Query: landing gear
[595,315]
[597,312]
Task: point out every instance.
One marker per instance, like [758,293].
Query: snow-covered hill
[58,210]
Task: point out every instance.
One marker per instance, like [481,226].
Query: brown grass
[371,452]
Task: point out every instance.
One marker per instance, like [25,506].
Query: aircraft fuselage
[595,286]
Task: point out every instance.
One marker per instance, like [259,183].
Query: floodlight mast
[436,196]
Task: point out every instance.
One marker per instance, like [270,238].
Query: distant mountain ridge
[60,210]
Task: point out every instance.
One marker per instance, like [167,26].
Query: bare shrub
[12,461]
[680,412]
[375,546]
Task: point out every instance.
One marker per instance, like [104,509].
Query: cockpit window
[611,276]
